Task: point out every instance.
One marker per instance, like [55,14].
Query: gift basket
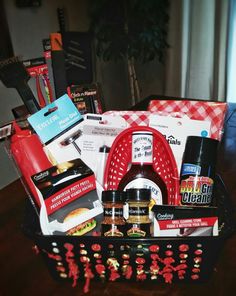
[84,156]
[168,260]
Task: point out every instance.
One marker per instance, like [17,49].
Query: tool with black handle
[13,74]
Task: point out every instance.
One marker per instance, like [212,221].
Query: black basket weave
[166,260]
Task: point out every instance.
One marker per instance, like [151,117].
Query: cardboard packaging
[178,119]
[184,221]
[67,193]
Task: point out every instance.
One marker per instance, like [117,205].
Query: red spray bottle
[29,156]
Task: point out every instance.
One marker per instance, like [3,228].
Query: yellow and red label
[196,190]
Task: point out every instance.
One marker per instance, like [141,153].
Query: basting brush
[13,74]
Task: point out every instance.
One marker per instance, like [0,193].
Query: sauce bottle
[142,174]
[198,171]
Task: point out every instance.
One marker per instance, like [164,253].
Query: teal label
[54,118]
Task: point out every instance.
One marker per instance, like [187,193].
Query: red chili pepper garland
[53,256]
[60,268]
[113,266]
[73,267]
[101,270]
[88,274]
[96,247]
[36,249]
[126,268]
[127,271]
[197,261]
[141,276]
[181,274]
[168,276]
[160,266]
[154,269]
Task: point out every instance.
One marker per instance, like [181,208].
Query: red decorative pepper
[197,259]
[100,269]
[181,266]
[73,268]
[61,268]
[168,277]
[125,256]
[114,274]
[198,252]
[141,276]
[154,268]
[168,260]
[35,249]
[181,274]
[53,256]
[154,248]
[183,248]
[128,273]
[169,253]
[155,257]
[183,255]
[113,266]
[69,246]
[88,275]
[196,270]
[140,260]
[168,269]
[195,276]
[96,247]
[84,259]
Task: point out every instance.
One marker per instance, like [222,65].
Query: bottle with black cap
[113,223]
[198,171]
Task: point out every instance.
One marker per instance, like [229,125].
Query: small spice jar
[113,223]
[138,223]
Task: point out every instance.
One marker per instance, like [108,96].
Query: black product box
[86,97]
[68,192]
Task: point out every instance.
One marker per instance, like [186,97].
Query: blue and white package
[55,118]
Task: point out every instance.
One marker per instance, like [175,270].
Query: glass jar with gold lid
[138,223]
[113,223]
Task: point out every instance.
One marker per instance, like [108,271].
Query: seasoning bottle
[113,223]
[142,174]
[198,171]
[138,223]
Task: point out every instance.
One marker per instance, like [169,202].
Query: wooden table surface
[24,273]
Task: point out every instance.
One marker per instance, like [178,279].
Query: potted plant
[132,30]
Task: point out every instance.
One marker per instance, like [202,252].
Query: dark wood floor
[24,273]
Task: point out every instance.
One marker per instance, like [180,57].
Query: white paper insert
[176,131]
[96,131]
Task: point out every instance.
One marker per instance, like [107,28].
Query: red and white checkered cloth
[133,118]
[198,110]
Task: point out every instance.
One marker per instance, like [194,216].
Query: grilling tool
[13,74]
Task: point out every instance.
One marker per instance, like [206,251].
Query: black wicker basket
[165,260]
